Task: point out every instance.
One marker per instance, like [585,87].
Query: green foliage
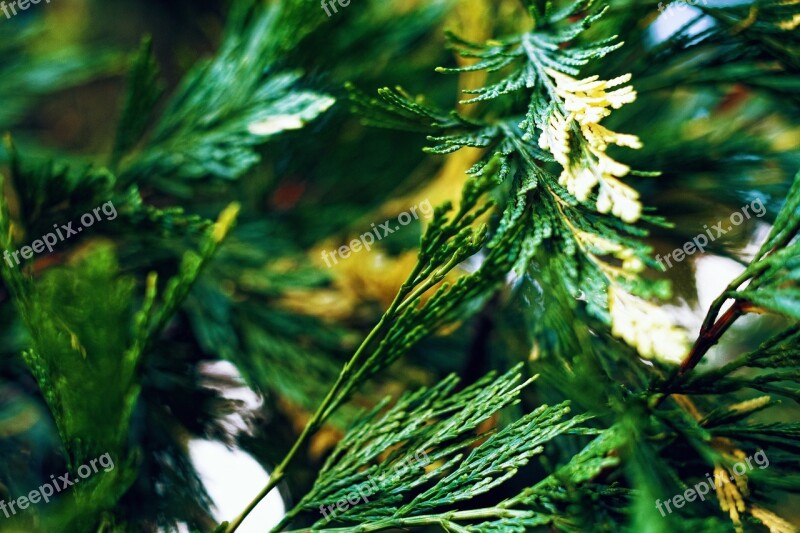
[543,260]
[27,74]
[143,94]
[224,107]
[86,344]
[776,270]
[446,243]
[71,342]
[440,420]
[569,230]
[50,192]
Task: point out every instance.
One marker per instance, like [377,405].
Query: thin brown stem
[709,338]
[710,333]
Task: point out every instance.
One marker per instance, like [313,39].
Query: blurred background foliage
[722,132]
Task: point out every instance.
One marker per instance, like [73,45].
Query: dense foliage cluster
[525,339]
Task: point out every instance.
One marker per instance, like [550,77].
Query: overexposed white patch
[714,273]
[275,124]
[759,236]
[232,479]
[673,17]
[234,422]
[310,106]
